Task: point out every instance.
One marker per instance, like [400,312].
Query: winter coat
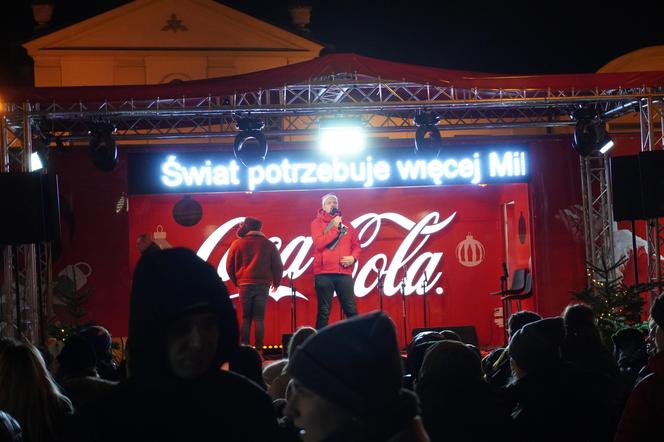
[154,403]
[331,243]
[644,411]
[254,259]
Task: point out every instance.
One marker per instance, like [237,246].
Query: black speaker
[626,188]
[652,183]
[467,333]
[637,184]
[31,208]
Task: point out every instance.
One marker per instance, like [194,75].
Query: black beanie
[537,344]
[657,311]
[354,364]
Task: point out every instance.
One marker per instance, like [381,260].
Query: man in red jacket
[336,250]
[253,264]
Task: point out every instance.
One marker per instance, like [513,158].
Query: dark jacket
[561,403]
[644,411]
[156,404]
[331,243]
[254,259]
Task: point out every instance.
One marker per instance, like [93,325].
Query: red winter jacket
[254,259]
[323,233]
[644,412]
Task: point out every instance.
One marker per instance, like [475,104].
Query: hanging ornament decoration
[522,229]
[187,212]
[470,252]
[159,238]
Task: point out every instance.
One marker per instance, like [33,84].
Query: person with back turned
[336,250]
[253,265]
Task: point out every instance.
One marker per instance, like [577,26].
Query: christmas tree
[615,304]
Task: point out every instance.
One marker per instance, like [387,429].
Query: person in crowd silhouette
[583,345]
[347,385]
[182,328]
[277,389]
[457,404]
[644,412]
[415,355]
[631,354]
[275,369]
[554,401]
[496,365]
[29,394]
[102,343]
[10,430]
[77,373]
[248,362]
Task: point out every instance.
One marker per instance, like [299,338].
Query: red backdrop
[95,234]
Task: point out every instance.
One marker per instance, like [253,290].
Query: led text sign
[297,170]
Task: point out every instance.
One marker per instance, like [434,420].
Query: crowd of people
[187,377]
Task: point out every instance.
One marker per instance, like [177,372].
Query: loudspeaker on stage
[31,208]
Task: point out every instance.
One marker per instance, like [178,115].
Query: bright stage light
[342,137]
[35,162]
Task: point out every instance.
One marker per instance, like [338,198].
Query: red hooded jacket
[327,258]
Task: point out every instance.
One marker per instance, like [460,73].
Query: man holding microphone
[336,250]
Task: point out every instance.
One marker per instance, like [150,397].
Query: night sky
[507,37]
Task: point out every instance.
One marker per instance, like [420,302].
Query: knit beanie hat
[354,364]
[657,311]
[100,339]
[328,195]
[248,225]
[77,355]
[537,344]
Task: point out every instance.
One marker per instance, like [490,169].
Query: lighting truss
[385,106]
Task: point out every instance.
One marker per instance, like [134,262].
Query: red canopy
[313,70]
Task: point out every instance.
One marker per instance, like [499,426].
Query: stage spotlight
[103,150]
[39,156]
[427,137]
[250,147]
[36,162]
[590,134]
[605,142]
[341,136]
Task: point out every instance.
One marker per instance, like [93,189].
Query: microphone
[336,212]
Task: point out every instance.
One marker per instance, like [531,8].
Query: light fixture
[40,152]
[36,162]
[103,150]
[590,133]
[341,136]
[427,136]
[250,147]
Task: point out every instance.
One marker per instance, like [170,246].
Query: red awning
[333,64]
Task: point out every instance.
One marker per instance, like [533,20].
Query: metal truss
[296,109]
[597,213]
[651,113]
[19,294]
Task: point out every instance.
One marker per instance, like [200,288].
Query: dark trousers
[254,301]
[328,283]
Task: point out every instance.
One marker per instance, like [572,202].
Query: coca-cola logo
[408,260]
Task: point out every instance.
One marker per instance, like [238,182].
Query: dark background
[500,37]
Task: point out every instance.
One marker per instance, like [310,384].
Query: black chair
[521,282]
[518,283]
[527,291]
